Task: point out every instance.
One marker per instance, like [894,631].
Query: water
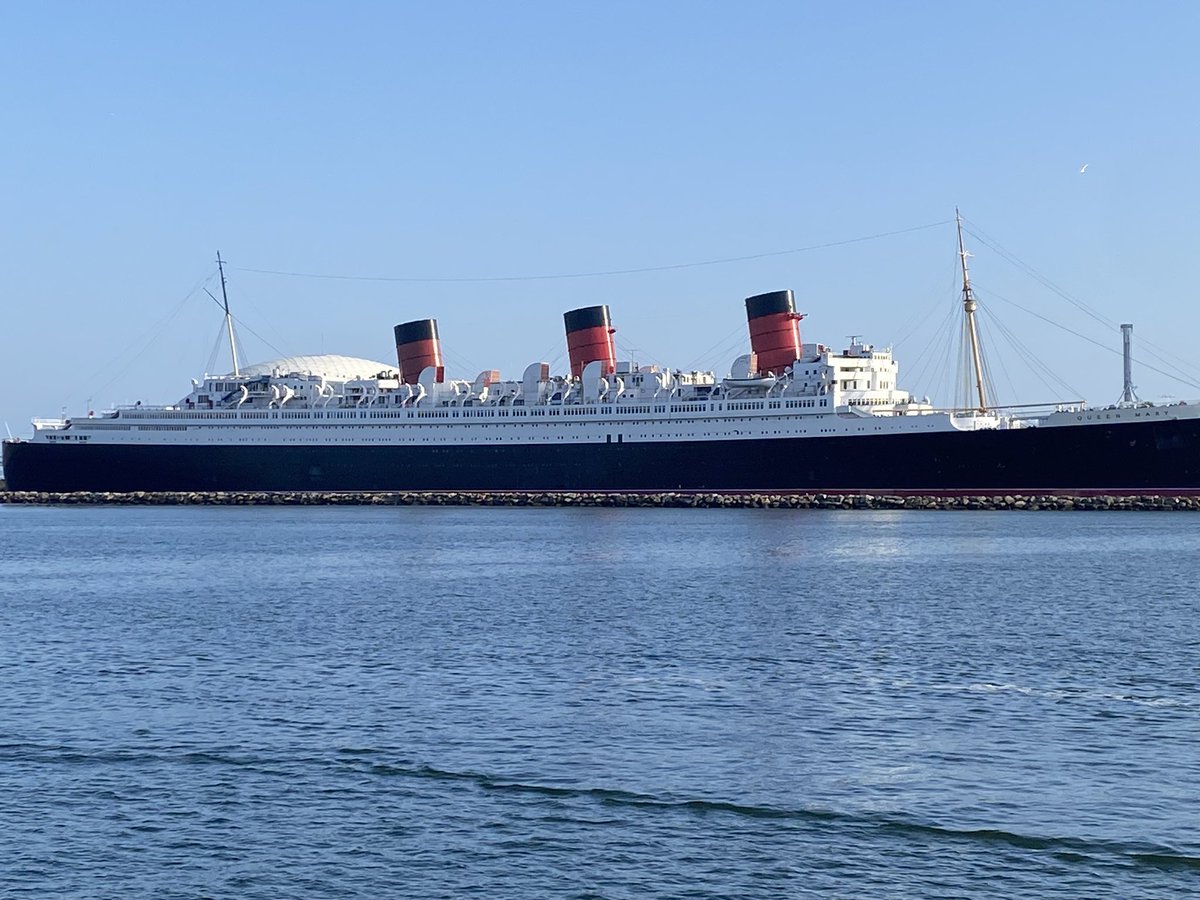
[440,702]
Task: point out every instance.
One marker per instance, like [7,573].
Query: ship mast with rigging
[229,318]
[969,306]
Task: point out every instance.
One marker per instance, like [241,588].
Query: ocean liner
[789,417]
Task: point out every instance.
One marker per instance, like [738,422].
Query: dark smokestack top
[587,317]
[770,304]
[420,330]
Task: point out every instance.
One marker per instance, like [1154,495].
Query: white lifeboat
[751,381]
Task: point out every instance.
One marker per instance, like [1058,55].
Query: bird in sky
[1083,168]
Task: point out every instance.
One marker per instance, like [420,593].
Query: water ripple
[257,703]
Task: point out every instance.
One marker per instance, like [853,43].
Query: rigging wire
[559,354]
[630,352]
[239,350]
[986,338]
[916,325]
[946,386]
[148,339]
[243,297]
[988,374]
[1165,356]
[736,336]
[964,385]
[720,360]
[636,352]
[941,338]
[1146,347]
[595,274]
[1083,337]
[463,364]
[210,367]
[222,338]
[936,364]
[238,339]
[1037,276]
[1039,369]
[923,359]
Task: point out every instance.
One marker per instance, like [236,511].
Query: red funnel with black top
[590,338]
[417,346]
[774,330]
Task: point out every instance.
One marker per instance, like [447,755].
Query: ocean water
[445,702]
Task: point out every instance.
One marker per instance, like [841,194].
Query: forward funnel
[590,338]
[774,330]
[417,347]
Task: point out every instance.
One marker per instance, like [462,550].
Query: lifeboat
[752,381]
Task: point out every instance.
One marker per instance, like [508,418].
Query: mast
[229,318]
[1128,394]
[969,307]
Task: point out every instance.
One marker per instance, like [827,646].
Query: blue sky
[470,140]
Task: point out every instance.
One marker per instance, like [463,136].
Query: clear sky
[458,140]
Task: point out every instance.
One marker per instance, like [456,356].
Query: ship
[789,417]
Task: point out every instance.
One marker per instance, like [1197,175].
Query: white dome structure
[332,367]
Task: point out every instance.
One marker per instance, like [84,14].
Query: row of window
[455,413]
[400,427]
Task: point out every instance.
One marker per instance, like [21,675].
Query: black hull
[1143,458]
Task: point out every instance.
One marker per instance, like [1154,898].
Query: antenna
[969,305]
[9,430]
[228,317]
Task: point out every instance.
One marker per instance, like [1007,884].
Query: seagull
[1083,168]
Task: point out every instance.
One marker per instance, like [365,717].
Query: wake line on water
[1065,848]
[60,754]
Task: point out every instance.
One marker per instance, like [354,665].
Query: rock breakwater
[603,499]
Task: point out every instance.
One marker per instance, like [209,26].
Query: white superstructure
[336,399]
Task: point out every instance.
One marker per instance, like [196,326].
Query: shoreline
[665,499]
